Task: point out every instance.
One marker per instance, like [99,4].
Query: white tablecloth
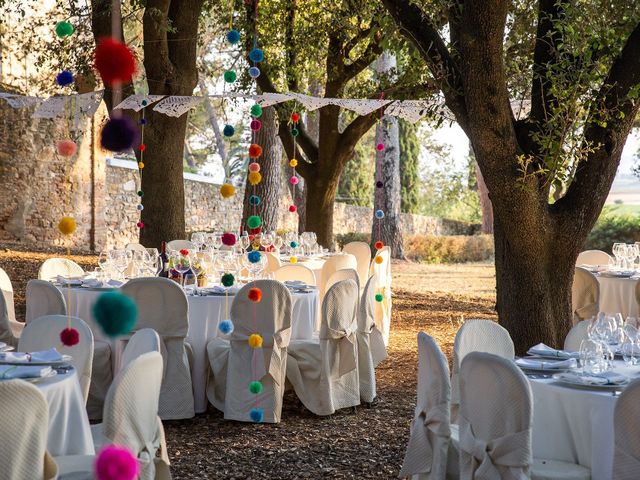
[314,264]
[69,429]
[618,295]
[205,313]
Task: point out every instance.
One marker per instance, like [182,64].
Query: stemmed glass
[278,241]
[120,260]
[181,262]
[199,239]
[591,356]
[618,252]
[266,239]
[104,262]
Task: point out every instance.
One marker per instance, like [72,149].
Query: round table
[618,295]
[69,429]
[205,313]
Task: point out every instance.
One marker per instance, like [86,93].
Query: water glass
[630,351]
[591,356]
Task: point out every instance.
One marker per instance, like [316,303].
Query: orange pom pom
[379,259]
[227,190]
[66,148]
[255,340]
[255,294]
[255,150]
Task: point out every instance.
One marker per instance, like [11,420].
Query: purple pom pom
[64,78]
[119,134]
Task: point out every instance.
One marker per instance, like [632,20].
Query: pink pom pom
[228,239]
[116,463]
[380,147]
[254,167]
[66,148]
[255,125]
[140,224]
[293,209]
[294,180]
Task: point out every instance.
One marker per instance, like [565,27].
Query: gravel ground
[366,444]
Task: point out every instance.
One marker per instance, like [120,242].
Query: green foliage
[409,166]
[449,249]
[356,182]
[344,238]
[613,226]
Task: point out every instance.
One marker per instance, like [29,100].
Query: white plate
[7,348]
[586,386]
[65,359]
[627,274]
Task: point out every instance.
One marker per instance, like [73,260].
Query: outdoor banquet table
[618,295]
[69,429]
[205,313]
[313,263]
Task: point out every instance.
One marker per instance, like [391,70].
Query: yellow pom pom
[140,165]
[67,225]
[255,340]
[293,259]
[255,178]
[293,163]
[227,190]
[379,259]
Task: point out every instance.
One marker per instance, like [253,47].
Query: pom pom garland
[140,207]
[69,337]
[293,259]
[230,76]
[254,72]
[140,193]
[254,167]
[256,55]
[255,295]
[293,208]
[379,259]
[114,61]
[254,200]
[119,134]
[64,78]
[228,131]
[66,147]
[254,256]
[378,245]
[256,415]
[255,125]
[254,221]
[255,387]
[64,29]
[233,36]
[227,279]
[227,190]
[255,150]
[256,110]
[140,224]
[295,132]
[255,340]
[228,239]
[293,163]
[380,147]
[115,313]
[379,184]
[67,225]
[295,117]
[379,214]
[116,463]
[254,178]
[142,147]
[141,165]
[379,297]
[226,327]
[294,180]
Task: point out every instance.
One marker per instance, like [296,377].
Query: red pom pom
[116,463]
[380,147]
[69,337]
[271,248]
[293,209]
[378,245]
[184,252]
[66,148]
[140,224]
[295,117]
[228,239]
[114,61]
[255,294]
[142,147]
[255,150]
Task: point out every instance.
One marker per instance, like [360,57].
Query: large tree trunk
[271,169]
[485,203]
[321,192]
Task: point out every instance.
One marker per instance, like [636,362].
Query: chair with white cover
[362,252]
[324,370]
[340,275]
[585,295]
[371,349]
[162,306]
[10,331]
[43,298]
[7,292]
[383,272]
[477,336]
[295,272]
[333,264]
[273,262]
[428,449]
[135,247]
[130,420]
[576,335]
[594,257]
[52,267]
[626,460]
[143,341]
[177,245]
[231,358]
[44,333]
[495,425]
[24,429]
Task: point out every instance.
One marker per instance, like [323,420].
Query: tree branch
[355,130]
[372,52]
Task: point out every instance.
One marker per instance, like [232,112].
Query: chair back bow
[345,359]
[273,364]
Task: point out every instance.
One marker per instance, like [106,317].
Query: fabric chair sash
[428,424]
[512,451]
[346,360]
[147,456]
[273,366]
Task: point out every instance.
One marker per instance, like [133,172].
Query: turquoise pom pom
[228,131]
[254,256]
[254,200]
[115,313]
[256,415]
[293,244]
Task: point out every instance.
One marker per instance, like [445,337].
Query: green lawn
[623,209]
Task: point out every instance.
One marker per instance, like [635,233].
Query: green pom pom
[256,110]
[295,132]
[230,76]
[379,297]
[255,387]
[115,313]
[140,193]
[64,29]
[227,279]
[254,221]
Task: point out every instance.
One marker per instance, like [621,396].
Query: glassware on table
[278,241]
[120,260]
[266,239]
[190,283]
[618,252]
[630,352]
[180,263]
[592,356]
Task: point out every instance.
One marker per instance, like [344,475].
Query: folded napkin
[62,280]
[24,371]
[605,378]
[537,364]
[115,283]
[219,290]
[51,355]
[92,283]
[543,350]
[295,283]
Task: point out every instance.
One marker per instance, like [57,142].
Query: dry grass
[367,444]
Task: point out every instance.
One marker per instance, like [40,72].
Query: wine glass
[199,238]
[278,241]
[617,251]
[266,239]
[120,261]
[181,263]
[629,351]
[591,356]
[104,262]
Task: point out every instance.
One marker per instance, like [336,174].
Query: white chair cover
[7,292]
[371,349]
[101,378]
[273,262]
[44,333]
[24,428]
[477,336]
[135,247]
[295,272]
[383,273]
[8,329]
[162,306]
[324,371]
[576,335]
[43,298]
[585,294]
[143,341]
[495,419]
[178,245]
[231,360]
[593,257]
[428,445]
[362,252]
[343,274]
[53,267]
[333,264]
[626,417]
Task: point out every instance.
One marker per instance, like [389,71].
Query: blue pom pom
[233,36]
[226,327]
[143,121]
[379,214]
[64,78]
[228,131]
[140,207]
[256,55]
[115,313]
[256,415]
[254,256]
[254,200]
[254,72]
[119,134]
